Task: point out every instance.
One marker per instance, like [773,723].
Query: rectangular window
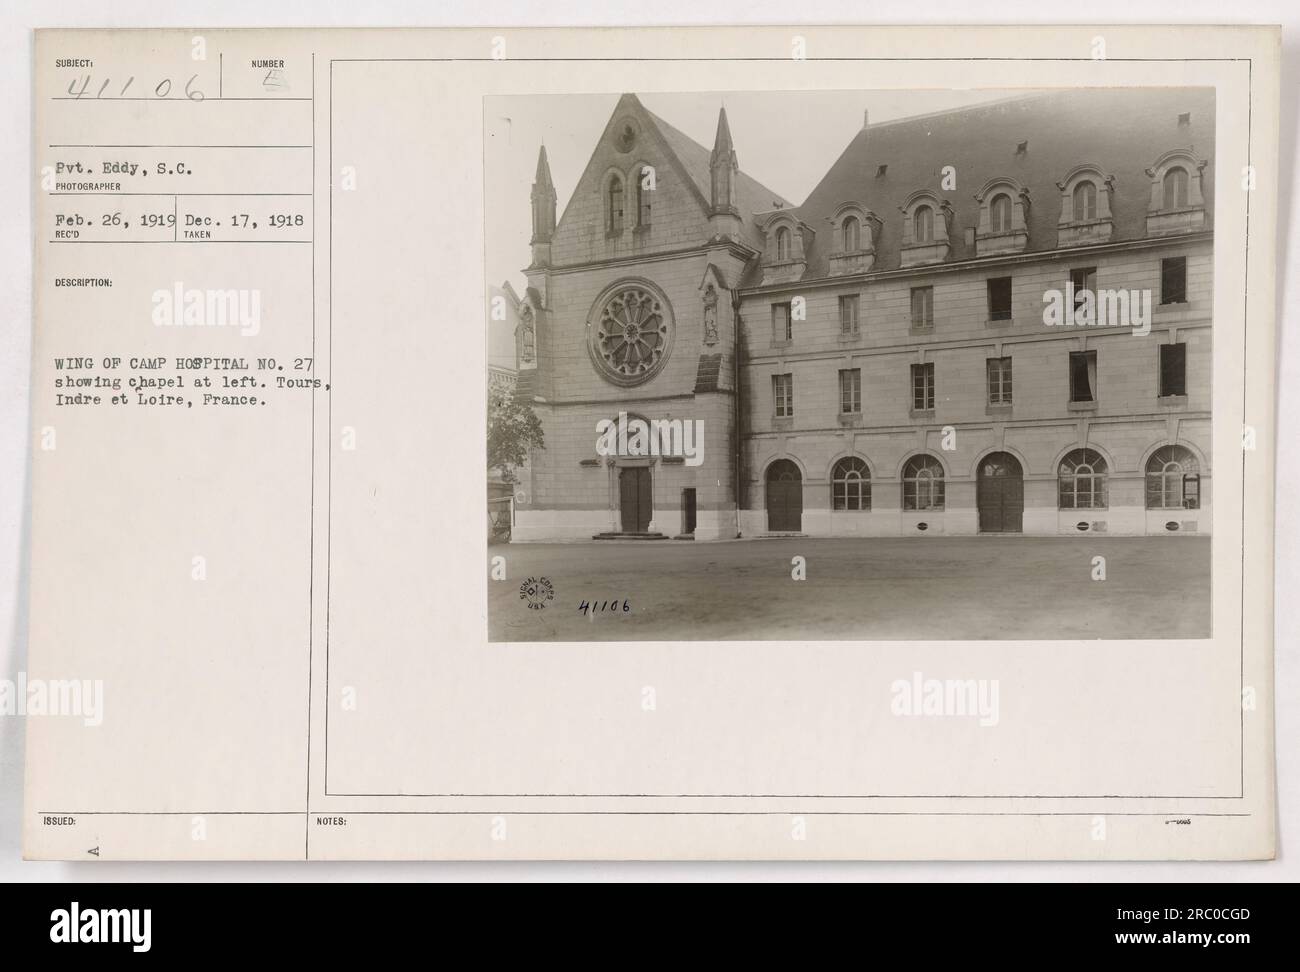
[849,314]
[782,330]
[999,299]
[1173,280]
[1173,369]
[999,372]
[783,395]
[923,387]
[850,390]
[922,308]
[1083,284]
[1083,376]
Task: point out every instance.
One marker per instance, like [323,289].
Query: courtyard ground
[932,588]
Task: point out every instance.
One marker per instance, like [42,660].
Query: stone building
[994,319]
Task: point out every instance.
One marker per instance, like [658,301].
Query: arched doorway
[635,498]
[784,497]
[1000,493]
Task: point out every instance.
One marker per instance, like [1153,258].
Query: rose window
[631,335]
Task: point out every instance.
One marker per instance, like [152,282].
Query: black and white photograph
[851,364]
[551,444]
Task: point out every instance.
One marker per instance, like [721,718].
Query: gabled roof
[1121,130]
[751,195]
[691,160]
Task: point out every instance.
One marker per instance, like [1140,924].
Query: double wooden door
[1000,494]
[634,498]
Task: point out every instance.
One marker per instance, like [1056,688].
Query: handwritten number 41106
[604,607]
[81,88]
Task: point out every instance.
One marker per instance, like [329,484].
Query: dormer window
[782,244]
[783,258]
[1175,188]
[1002,226]
[851,234]
[1085,207]
[1000,213]
[855,230]
[925,229]
[923,224]
[1177,200]
[1085,200]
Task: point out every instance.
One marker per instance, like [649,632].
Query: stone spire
[724,216]
[543,198]
[723,168]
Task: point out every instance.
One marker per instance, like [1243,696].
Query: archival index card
[670,443]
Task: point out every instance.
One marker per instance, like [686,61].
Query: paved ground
[935,588]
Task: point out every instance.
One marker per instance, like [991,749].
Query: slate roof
[751,195]
[1121,130]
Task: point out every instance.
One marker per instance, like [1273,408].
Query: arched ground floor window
[1081,481]
[850,485]
[1173,479]
[923,484]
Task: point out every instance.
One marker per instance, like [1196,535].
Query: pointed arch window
[615,222]
[642,203]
